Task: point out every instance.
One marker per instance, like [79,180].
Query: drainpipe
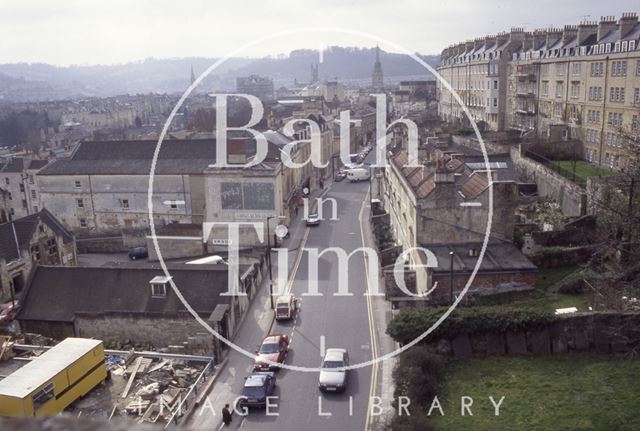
[604,107]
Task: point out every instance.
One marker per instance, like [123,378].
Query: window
[619,68]
[22,187]
[31,179]
[7,181]
[495,85]
[545,88]
[24,204]
[635,124]
[78,184]
[636,96]
[575,90]
[614,119]
[43,396]
[637,71]
[10,196]
[576,68]
[12,211]
[33,194]
[616,94]
[35,208]
[159,287]
[545,69]
[597,68]
[80,203]
[558,110]
[559,89]
[83,222]
[124,203]
[495,102]
[52,247]
[174,205]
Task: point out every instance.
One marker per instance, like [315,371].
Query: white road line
[322,346]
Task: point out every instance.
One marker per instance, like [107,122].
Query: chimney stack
[553,35]
[516,34]
[502,38]
[607,23]
[627,22]
[539,38]
[489,41]
[527,42]
[569,32]
[585,30]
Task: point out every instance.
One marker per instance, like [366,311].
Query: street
[343,321]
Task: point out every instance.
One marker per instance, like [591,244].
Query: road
[343,321]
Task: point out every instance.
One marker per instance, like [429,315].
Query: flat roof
[40,370]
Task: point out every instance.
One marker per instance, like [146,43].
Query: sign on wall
[247,196]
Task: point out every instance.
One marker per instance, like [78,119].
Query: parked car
[257,387]
[138,253]
[313,220]
[333,375]
[340,175]
[272,352]
[286,306]
[358,174]
[8,312]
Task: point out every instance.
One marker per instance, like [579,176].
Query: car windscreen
[253,392]
[332,364]
[269,348]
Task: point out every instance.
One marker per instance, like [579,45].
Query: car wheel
[133,258]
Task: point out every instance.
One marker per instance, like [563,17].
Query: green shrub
[410,324]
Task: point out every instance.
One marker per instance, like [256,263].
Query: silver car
[333,375]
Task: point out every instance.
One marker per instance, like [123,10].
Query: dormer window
[159,286]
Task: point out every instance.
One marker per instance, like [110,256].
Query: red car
[8,311]
[272,352]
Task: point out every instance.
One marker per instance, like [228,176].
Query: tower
[193,75]
[377,80]
[314,73]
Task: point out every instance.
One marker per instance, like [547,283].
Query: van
[358,174]
[285,307]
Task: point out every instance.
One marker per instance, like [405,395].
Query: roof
[498,257]
[58,294]
[255,380]
[24,229]
[475,184]
[20,164]
[334,354]
[39,371]
[135,157]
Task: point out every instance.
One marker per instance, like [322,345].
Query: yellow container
[50,383]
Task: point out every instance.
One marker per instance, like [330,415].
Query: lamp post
[269,258]
[451,277]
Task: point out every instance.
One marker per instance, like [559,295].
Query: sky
[85,32]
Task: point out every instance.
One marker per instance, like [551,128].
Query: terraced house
[582,82]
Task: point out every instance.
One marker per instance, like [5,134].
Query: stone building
[577,82]
[445,201]
[19,185]
[136,303]
[35,239]
[103,187]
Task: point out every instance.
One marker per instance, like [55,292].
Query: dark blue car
[257,387]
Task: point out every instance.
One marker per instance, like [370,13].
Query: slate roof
[499,257]
[135,157]
[58,293]
[24,230]
[20,164]
[475,184]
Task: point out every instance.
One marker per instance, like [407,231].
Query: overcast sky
[67,32]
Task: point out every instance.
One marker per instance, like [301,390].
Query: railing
[187,403]
[570,175]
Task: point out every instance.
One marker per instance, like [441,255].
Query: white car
[333,375]
[358,174]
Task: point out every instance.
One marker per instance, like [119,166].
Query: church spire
[193,75]
[377,79]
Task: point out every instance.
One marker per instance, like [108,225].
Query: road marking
[372,331]
[322,346]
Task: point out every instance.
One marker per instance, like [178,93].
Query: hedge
[410,324]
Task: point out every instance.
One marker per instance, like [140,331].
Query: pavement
[355,322]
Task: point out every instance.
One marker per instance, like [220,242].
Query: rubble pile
[152,388]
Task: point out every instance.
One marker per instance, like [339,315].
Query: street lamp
[451,277]
[269,258]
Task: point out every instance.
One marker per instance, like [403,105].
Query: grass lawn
[564,392]
[543,295]
[583,169]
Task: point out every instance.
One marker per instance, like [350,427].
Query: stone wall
[571,197]
[606,332]
[142,329]
[492,147]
